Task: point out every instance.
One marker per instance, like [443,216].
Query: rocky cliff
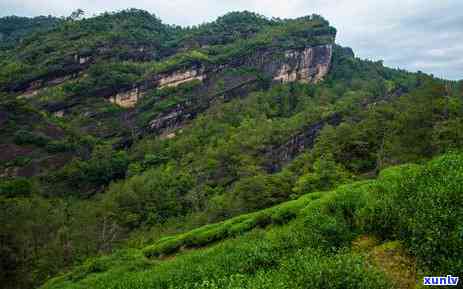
[120,89]
[278,156]
[307,65]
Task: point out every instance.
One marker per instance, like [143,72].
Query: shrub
[163,247]
[206,235]
[283,214]
[315,269]
[59,146]
[424,208]
[241,227]
[327,231]
[22,137]
[326,174]
[16,187]
[88,176]
[277,215]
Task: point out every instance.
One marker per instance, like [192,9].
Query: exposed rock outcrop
[127,99]
[170,119]
[178,77]
[309,65]
[173,118]
[280,155]
[36,86]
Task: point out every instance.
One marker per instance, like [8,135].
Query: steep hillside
[94,73]
[117,130]
[32,144]
[371,234]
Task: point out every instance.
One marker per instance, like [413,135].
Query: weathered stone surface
[83,60]
[32,90]
[59,113]
[280,155]
[29,93]
[309,65]
[169,120]
[36,86]
[178,77]
[127,99]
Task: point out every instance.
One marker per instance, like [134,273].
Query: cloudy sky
[415,35]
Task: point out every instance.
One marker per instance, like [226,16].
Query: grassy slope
[321,240]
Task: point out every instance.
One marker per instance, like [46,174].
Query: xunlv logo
[440,281]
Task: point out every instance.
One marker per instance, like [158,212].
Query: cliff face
[280,155]
[139,86]
[308,65]
[126,99]
[178,77]
[223,60]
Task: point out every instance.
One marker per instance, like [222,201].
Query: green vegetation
[83,176]
[13,28]
[215,169]
[135,35]
[158,101]
[314,248]
[268,185]
[230,228]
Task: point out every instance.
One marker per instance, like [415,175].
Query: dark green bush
[205,236]
[88,176]
[16,187]
[424,208]
[59,146]
[327,231]
[283,215]
[20,161]
[164,247]
[22,137]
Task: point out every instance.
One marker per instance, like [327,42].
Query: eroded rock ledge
[308,65]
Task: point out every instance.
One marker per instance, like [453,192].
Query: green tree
[324,175]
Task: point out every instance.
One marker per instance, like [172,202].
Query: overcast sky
[415,35]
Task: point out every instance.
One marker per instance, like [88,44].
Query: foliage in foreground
[418,206]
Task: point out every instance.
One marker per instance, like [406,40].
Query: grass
[233,227]
[396,263]
[321,240]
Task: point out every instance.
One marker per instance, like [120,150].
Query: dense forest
[249,152]
[14,29]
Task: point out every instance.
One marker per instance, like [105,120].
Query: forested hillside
[14,29]
[369,234]
[118,131]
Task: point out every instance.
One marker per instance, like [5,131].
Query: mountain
[118,131]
